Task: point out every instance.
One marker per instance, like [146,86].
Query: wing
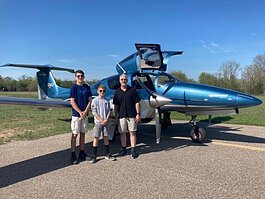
[34,102]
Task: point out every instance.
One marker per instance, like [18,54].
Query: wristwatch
[138,114]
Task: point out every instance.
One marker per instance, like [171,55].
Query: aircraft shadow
[34,167]
[218,119]
[230,134]
[213,132]
[182,132]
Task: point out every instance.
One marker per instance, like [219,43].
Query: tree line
[250,79]
[25,83]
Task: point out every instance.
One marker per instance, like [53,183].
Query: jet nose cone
[158,101]
[247,101]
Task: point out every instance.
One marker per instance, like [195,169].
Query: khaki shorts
[127,122]
[99,130]
[79,125]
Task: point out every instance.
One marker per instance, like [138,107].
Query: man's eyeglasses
[102,91]
[123,79]
[78,76]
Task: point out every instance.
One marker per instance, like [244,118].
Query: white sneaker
[109,157]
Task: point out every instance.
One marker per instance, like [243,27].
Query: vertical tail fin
[48,88]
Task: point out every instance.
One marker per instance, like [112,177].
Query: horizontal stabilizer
[47,66]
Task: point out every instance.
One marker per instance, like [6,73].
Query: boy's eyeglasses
[102,91]
[123,79]
[78,76]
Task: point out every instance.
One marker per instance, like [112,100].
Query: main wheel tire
[198,135]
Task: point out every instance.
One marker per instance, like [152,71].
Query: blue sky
[94,35]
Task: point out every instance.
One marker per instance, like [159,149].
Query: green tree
[64,83]
[181,76]
[9,84]
[209,79]
[227,75]
[253,76]
[26,83]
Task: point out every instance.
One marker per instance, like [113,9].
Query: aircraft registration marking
[219,95]
[50,85]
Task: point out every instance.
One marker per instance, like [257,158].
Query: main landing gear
[197,133]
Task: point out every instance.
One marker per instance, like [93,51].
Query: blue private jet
[160,92]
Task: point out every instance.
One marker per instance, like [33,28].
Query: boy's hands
[83,114]
[104,122]
[138,118]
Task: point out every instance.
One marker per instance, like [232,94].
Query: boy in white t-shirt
[101,111]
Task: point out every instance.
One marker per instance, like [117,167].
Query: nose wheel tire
[198,135]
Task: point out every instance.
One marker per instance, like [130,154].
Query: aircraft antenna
[121,68]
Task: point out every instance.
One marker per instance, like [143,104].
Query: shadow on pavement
[30,168]
[37,166]
[24,170]
[214,132]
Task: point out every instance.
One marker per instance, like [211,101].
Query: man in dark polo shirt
[127,110]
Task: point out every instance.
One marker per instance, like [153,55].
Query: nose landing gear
[197,133]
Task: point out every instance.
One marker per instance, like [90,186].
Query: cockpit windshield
[165,78]
[156,80]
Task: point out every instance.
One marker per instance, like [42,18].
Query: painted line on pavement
[253,148]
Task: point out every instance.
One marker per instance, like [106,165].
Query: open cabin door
[150,57]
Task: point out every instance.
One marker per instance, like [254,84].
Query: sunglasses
[78,76]
[102,91]
[123,79]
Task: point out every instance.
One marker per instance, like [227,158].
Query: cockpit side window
[147,80]
[164,79]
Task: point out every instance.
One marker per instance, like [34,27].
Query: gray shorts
[127,124]
[99,130]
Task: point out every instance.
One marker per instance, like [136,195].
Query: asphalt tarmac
[231,164]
